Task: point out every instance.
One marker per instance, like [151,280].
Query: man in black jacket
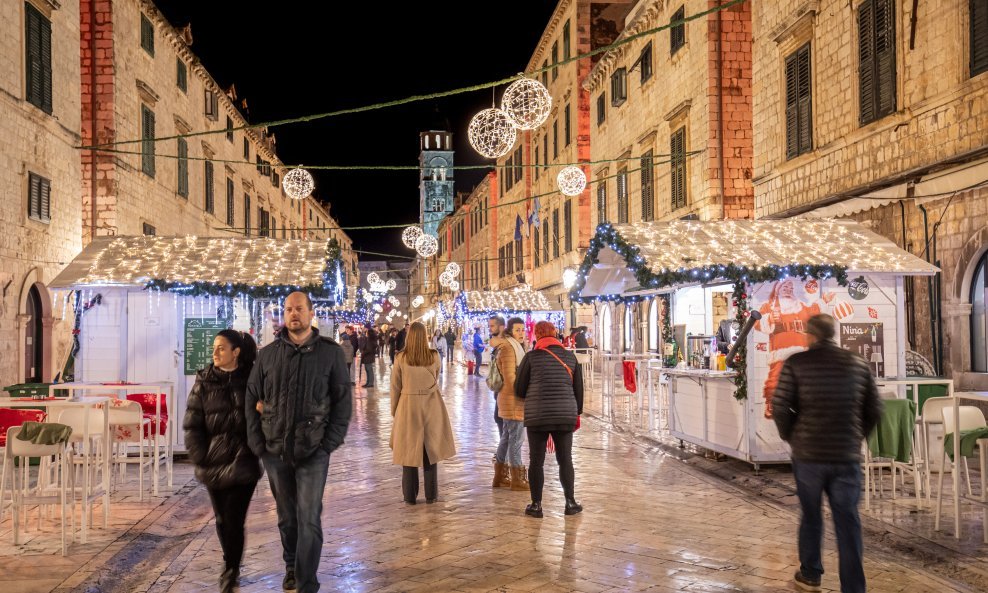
[298,409]
[825,405]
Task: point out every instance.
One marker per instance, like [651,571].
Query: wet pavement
[656,518]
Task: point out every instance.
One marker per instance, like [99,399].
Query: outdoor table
[981,396]
[155,386]
[89,492]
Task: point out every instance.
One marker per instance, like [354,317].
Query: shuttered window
[181,75]
[799,109]
[619,86]
[601,108]
[622,196]
[677,172]
[229,201]
[545,240]
[519,256]
[644,63]
[601,201]
[555,233]
[555,139]
[545,73]
[147,141]
[876,59]
[568,226]
[536,247]
[545,151]
[147,35]
[519,166]
[247,215]
[37,53]
[209,204]
[229,129]
[979,36]
[648,187]
[38,198]
[555,60]
[183,168]
[566,41]
[677,33]
[567,134]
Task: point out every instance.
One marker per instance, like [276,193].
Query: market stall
[148,308]
[711,275]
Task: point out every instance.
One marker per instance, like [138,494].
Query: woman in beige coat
[421,433]
[510,350]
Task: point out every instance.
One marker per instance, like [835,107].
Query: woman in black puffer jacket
[550,380]
[216,439]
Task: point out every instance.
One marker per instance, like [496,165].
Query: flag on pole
[533,217]
[518,227]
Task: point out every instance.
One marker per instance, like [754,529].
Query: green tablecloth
[968,439]
[893,437]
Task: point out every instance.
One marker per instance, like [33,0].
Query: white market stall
[149,307]
[787,270]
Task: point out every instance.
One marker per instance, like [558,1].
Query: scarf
[544,343]
[519,351]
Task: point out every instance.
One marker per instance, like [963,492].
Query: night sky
[334,55]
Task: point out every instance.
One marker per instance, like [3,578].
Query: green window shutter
[568,225]
[209,196]
[804,89]
[648,195]
[183,168]
[37,54]
[147,35]
[181,75]
[229,202]
[979,36]
[147,144]
[885,56]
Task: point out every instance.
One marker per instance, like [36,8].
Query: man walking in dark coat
[825,405]
[298,408]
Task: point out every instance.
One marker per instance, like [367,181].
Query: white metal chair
[22,496]
[971,417]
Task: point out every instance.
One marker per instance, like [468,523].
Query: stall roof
[519,299]
[135,260]
[689,245]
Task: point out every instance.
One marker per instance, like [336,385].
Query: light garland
[426,246]
[410,235]
[298,183]
[571,181]
[491,133]
[527,103]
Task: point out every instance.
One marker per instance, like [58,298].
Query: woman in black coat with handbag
[216,439]
[550,380]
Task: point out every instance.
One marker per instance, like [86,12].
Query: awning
[654,255]
[522,299]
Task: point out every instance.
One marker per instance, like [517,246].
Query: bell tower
[435,178]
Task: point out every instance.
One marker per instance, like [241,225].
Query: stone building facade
[888,125]
[40,182]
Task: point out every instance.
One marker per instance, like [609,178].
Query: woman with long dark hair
[216,439]
[421,434]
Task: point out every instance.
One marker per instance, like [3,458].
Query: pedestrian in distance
[450,342]
[495,324]
[825,405]
[478,349]
[439,344]
[301,383]
[348,351]
[550,380]
[509,470]
[421,434]
[216,440]
[368,355]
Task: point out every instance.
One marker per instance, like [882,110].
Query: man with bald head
[302,384]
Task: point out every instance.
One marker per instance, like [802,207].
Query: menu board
[867,340]
[199,335]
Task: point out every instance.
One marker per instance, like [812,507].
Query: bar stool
[10,417]
[971,418]
[23,451]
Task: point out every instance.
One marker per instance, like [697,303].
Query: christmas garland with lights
[333,281]
[739,275]
[81,308]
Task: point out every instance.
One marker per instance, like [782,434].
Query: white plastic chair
[76,418]
[931,440]
[24,450]
[971,417]
[128,426]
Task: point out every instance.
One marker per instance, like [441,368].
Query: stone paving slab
[656,520]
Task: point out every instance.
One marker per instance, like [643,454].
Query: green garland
[333,277]
[740,301]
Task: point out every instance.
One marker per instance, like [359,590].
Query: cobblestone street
[655,521]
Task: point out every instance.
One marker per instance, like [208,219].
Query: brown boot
[519,478]
[501,479]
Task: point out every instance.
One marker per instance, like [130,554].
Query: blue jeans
[369,372]
[479,356]
[298,494]
[512,438]
[842,483]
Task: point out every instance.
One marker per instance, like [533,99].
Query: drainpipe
[720,112]
[934,317]
[92,119]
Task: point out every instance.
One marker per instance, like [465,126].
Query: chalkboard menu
[199,335]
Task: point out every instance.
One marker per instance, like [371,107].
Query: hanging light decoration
[418,301]
[445,278]
[569,278]
[378,307]
[453,268]
[298,183]
[426,245]
[391,284]
[410,235]
[571,181]
[491,133]
[373,278]
[527,103]
[454,285]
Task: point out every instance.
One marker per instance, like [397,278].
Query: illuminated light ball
[418,301]
[453,268]
[410,235]
[491,133]
[391,285]
[368,297]
[569,277]
[298,183]
[426,246]
[454,285]
[378,307]
[527,103]
[373,278]
[843,310]
[445,278]
[571,181]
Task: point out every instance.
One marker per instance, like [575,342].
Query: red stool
[148,402]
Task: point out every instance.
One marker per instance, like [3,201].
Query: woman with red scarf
[550,381]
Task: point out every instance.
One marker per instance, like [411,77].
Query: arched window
[653,325]
[629,329]
[979,343]
[605,328]
[34,343]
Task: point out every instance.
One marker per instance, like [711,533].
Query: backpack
[495,381]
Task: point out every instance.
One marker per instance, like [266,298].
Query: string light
[298,183]
[491,133]
[571,181]
[527,103]
[410,235]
